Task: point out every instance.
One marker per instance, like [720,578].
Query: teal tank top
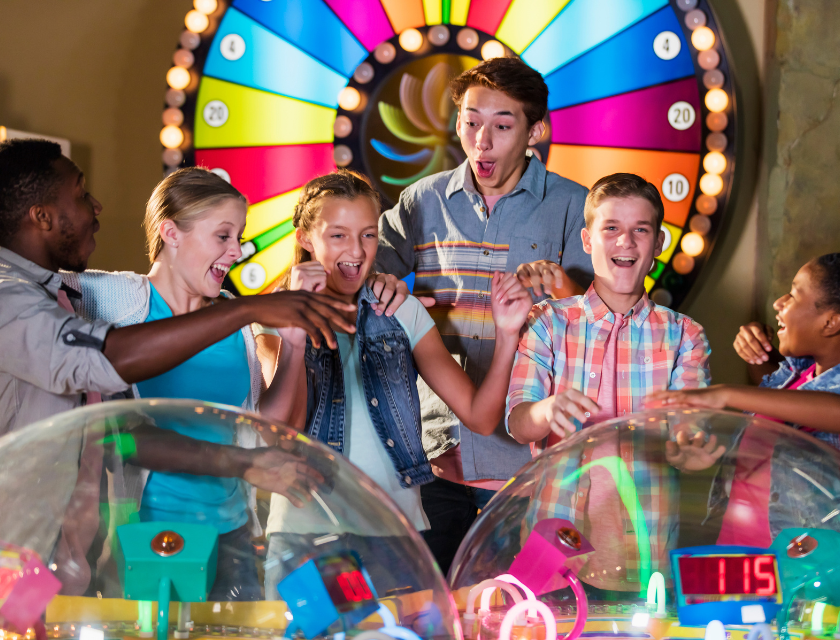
[218,374]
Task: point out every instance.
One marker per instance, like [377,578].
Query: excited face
[623,240]
[344,238]
[800,316]
[495,134]
[201,255]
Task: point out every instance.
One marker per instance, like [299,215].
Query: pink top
[746,520]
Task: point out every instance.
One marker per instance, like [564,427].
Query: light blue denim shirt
[442,231]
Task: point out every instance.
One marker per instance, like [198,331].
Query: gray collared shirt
[49,357]
[440,230]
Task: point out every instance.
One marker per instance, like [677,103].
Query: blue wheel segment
[312,26]
[624,63]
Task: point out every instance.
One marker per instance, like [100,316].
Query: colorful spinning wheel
[271,93]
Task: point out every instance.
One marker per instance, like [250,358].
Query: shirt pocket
[530,246]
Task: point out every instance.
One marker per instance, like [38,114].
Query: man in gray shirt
[51,358]
[500,210]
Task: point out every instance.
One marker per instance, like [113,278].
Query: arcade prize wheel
[616,533]
[105,534]
[271,93]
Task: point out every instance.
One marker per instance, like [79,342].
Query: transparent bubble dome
[621,532]
[108,511]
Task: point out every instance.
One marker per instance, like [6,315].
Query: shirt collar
[50,280]
[532,181]
[595,308]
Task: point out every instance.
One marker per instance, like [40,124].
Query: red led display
[728,575]
[344,581]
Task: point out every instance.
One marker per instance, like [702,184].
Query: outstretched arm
[480,410]
[276,469]
[816,409]
[143,351]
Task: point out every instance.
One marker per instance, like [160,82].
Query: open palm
[510,303]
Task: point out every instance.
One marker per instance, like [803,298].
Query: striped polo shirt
[441,230]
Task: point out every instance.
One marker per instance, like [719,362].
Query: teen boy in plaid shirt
[593,357]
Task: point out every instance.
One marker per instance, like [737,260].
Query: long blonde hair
[183,196]
[344,184]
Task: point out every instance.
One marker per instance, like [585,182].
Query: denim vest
[390,388]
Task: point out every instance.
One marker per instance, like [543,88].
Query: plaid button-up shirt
[657,349]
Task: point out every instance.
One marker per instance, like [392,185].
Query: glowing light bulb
[349,98]
[411,40]
[714,162]
[178,78]
[492,49]
[467,39]
[692,244]
[717,100]
[171,137]
[703,38]
[196,21]
[205,6]
[711,184]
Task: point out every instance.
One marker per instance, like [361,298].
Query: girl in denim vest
[800,387]
[362,399]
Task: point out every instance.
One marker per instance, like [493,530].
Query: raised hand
[546,277]
[753,344]
[693,454]
[566,405]
[510,303]
[389,290]
[308,276]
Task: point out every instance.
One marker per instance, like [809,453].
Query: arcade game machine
[272,94]
[617,533]
[85,553]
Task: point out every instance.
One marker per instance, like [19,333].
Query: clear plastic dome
[621,532]
[107,511]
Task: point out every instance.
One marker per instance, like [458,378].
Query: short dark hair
[828,279]
[512,77]
[27,177]
[623,185]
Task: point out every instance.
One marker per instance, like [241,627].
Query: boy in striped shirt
[590,358]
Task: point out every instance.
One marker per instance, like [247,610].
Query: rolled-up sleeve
[691,368]
[395,254]
[532,377]
[51,348]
